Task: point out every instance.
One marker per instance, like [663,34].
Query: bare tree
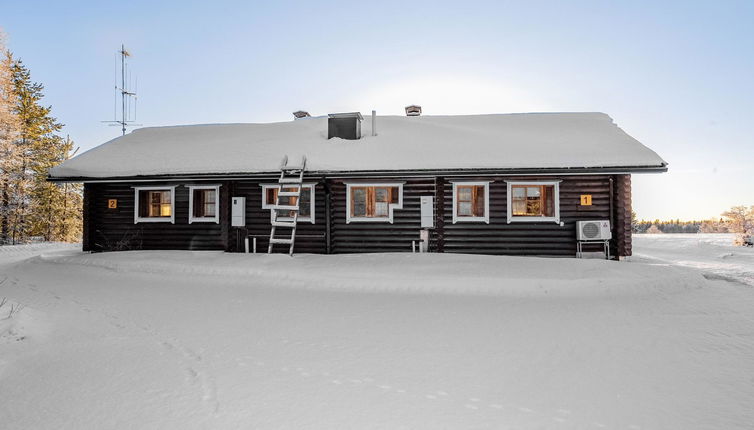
[740,219]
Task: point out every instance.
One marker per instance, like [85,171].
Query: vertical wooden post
[88,219]
[328,218]
[224,207]
[440,213]
[622,197]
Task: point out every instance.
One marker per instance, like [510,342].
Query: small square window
[470,202]
[203,203]
[533,201]
[306,207]
[154,204]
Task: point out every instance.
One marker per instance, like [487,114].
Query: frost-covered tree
[29,146]
[740,219]
[10,156]
[55,213]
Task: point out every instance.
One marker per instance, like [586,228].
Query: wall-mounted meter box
[427,205]
[238,212]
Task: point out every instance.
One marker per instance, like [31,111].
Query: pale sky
[677,76]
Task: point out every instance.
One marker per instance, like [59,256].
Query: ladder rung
[290,181]
[284,241]
[284,207]
[289,168]
[289,193]
[289,224]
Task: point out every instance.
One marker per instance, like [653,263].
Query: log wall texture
[114,229]
[310,238]
[526,238]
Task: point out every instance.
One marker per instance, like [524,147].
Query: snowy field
[189,340]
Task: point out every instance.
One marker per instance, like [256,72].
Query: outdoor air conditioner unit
[593,230]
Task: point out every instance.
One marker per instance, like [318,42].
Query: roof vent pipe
[374,123]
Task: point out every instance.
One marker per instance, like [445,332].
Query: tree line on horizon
[31,208]
[738,219]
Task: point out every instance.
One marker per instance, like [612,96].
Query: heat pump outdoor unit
[593,230]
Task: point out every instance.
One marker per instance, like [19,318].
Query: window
[471,202]
[534,201]
[154,204]
[203,203]
[306,208]
[373,202]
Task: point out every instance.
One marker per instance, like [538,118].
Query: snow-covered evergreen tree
[55,208]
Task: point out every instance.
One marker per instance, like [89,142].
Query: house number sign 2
[112,203]
[586,200]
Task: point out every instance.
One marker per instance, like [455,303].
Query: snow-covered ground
[163,340]
[710,253]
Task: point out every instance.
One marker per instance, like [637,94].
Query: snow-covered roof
[497,141]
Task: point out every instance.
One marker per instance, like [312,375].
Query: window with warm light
[471,202]
[373,202]
[533,201]
[154,204]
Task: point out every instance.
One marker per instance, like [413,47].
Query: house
[495,184]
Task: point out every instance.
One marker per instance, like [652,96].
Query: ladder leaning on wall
[290,185]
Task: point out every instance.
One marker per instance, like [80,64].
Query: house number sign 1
[112,203]
[586,200]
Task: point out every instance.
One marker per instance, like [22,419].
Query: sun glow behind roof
[453,95]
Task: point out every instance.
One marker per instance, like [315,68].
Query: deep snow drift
[210,340]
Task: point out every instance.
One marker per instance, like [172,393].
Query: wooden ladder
[292,180]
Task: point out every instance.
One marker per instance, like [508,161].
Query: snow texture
[200,340]
[710,253]
[501,141]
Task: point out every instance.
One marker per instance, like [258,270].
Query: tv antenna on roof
[127,96]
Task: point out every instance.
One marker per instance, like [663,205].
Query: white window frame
[310,185]
[555,196]
[390,207]
[216,218]
[139,219]
[460,218]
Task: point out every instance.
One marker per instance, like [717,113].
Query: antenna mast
[125,94]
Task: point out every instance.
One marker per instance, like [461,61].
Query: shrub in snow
[13,309]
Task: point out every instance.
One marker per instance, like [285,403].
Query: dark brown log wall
[114,229]
[526,238]
[379,236]
[310,238]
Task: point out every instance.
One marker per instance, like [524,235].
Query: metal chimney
[374,123]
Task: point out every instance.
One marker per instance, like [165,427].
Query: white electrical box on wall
[427,206]
[238,212]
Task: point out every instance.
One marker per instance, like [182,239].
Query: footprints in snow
[471,404]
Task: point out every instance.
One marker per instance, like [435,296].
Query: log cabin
[512,184]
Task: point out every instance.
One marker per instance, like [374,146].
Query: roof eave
[406,172]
